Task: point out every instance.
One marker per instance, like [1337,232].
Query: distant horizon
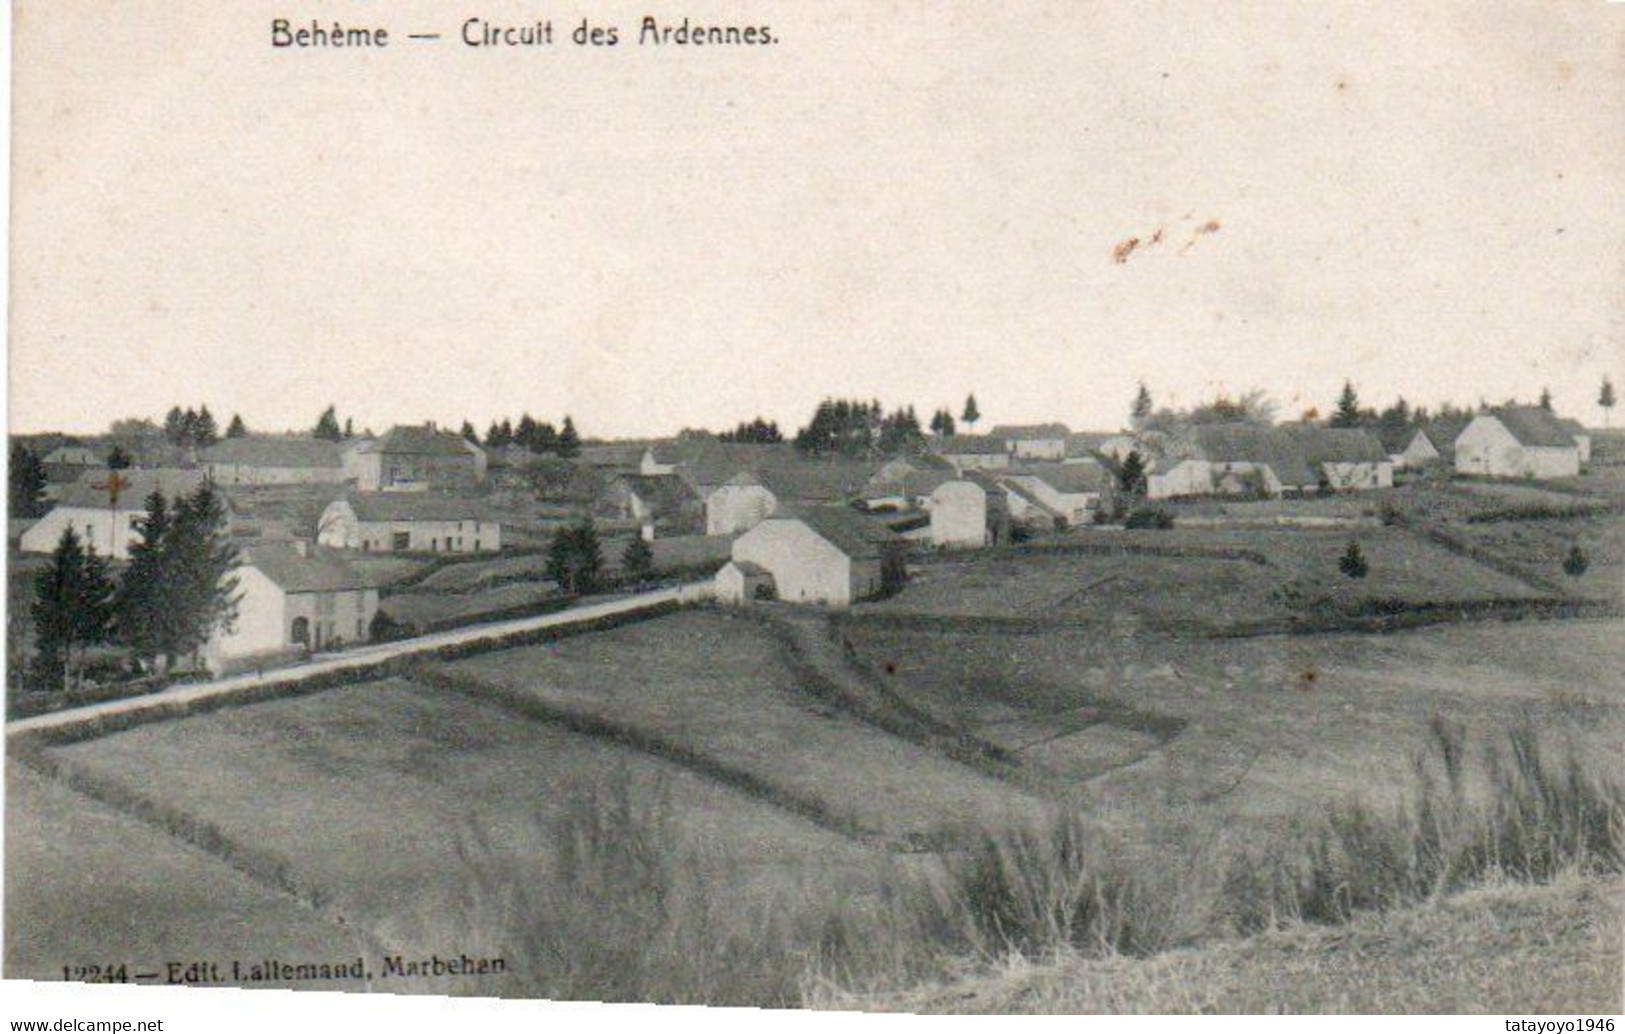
[985,423]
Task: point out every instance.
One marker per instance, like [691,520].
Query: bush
[1352,562]
[1157,517]
[385,629]
[1575,564]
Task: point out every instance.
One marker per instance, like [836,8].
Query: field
[781,806]
[1171,580]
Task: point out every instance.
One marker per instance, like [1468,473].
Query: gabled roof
[1027,432]
[1070,478]
[423,440]
[859,537]
[1337,444]
[1443,432]
[1253,443]
[664,493]
[414,506]
[321,571]
[1533,426]
[90,491]
[1015,487]
[971,445]
[275,452]
[1573,427]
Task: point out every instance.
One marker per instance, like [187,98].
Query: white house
[1517,441]
[292,600]
[827,555]
[1071,491]
[274,461]
[1033,441]
[740,580]
[415,458]
[103,506]
[1582,437]
[974,452]
[739,504]
[1344,457]
[394,522]
[1234,459]
[968,513]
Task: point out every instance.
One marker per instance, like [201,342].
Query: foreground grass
[622,914]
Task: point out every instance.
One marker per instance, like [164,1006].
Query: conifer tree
[72,610]
[569,440]
[26,479]
[1352,562]
[1348,407]
[1605,399]
[143,609]
[637,562]
[236,429]
[971,413]
[1545,399]
[1142,405]
[118,459]
[327,425]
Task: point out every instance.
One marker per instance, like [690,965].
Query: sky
[902,200]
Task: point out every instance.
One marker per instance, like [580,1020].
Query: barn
[1517,441]
[397,522]
[274,461]
[827,555]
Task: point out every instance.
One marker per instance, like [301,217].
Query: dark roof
[423,440]
[1533,426]
[1068,477]
[414,506]
[1252,443]
[612,454]
[1443,432]
[1029,431]
[1017,488]
[138,485]
[1085,443]
[321,571]
[857,536]
[1337,444]
[664,493]
[275,452]
[971,445]
[1572,426]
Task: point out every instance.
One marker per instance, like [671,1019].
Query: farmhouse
[828,555]
[1033,441]
[100,520]
[973,452]
[661,504]
[398,522]
[273,461]
[415,459]
[1235,459]
[754,493]
[1517,441]
[1070,492]
[292,600]
[968,513]
[1344,457]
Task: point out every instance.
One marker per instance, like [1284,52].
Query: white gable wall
[958,515]
[730,509]
[806,567]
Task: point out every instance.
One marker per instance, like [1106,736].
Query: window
[301,632]
[360,629]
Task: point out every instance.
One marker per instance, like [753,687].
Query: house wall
[334,618]
[1187,477]
[978,461]
[409,471]
[109,532]
[959,515]
[1357,476]
[1583,441]
[260,629]
[429,536]
[1076,507]
[730,509]
[1419,452]
[244,474]
[806,568]
[1039,448]
[648,465]
[365,468]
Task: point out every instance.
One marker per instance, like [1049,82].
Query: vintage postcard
[1041,507]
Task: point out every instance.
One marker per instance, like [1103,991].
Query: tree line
[540,437]
[172,596]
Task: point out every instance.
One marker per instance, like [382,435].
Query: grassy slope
[1515,950]
[368,793]
[69,872]
[715,683]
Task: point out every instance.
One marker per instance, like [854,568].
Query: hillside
[1513,949]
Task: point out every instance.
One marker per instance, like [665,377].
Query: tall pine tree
[72,610]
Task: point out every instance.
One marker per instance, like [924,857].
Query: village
[341,538]
[545,687]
